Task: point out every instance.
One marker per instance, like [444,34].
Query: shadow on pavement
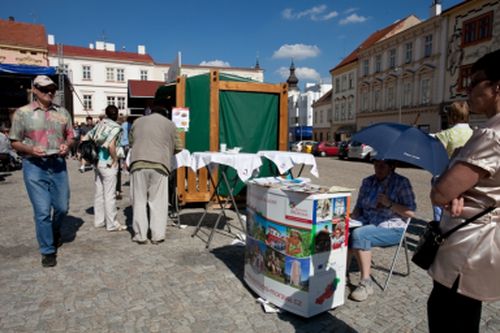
[70,227]
[233,257]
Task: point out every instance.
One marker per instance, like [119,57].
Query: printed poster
[180,117]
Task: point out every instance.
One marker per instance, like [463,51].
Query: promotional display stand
[296,246]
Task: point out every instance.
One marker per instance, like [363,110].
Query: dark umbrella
[407,144]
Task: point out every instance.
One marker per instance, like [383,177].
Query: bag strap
[469,220]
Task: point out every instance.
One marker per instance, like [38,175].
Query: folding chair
[402,241]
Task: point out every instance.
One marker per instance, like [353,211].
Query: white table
[245,165]
[286,160]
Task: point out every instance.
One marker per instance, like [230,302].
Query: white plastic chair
[402,241]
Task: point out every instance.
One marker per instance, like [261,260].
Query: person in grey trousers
[153,140]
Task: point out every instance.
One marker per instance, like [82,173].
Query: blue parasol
[406,144]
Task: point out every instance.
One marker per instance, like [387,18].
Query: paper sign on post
[180,117]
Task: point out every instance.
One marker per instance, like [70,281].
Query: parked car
[308,146]
[344,149]
[325,148]
[358,150]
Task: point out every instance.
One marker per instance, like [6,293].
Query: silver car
[361,151]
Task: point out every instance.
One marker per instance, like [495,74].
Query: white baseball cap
[43,81]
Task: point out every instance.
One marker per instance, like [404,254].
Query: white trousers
[105,213]
[149,188]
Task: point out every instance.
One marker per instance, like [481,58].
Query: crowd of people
[464,274]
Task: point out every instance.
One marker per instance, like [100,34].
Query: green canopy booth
[227,109]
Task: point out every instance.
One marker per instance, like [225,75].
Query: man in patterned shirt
[384,202]
[43,133]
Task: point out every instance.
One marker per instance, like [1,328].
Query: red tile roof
[372,39]
[22,34]
[78,51]
[138,88]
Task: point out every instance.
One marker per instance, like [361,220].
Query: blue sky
[317,34]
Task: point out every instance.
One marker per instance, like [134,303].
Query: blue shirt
[125,128]
[397,188]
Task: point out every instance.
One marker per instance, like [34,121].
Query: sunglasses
[46,90]
[474,83]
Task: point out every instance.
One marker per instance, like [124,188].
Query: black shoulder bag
[432,238]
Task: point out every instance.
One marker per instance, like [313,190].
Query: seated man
[384,202]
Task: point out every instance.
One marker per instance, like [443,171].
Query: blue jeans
[46,181]
[367,236]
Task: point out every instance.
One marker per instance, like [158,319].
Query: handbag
[432,238]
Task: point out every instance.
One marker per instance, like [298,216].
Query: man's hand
[38,151]
[456,206]
[383,200]
[63,149]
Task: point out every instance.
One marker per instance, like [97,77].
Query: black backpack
[89,151]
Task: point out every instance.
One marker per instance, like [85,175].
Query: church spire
[292,79]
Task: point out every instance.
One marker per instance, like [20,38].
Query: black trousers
[449,311]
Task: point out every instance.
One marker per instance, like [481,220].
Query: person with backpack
[106,135]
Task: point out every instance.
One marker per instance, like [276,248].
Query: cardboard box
[297,248]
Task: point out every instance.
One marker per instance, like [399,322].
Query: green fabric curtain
[250,121]
[198,102]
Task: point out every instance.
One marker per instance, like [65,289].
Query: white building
[99,74]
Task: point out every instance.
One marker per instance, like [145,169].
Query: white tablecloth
[285,160]
[181,159]
[245,164]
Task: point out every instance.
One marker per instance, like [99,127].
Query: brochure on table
[297,246]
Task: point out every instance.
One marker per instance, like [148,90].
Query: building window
[111,100]
[391,97]
[342,111]
[87,102]
[376,99]
[366,67]
[86,74]
[120,75]
[392,58]
[344,82]
[408,52]
[121,103]
[464,78]
[364,101]
[378,63]
[477,29]
[321,117]
[351,81]
[427,46]
[144,75]
[110,74]
[350,114]
[337,85]
[336,114]
[407,94]
[425,91]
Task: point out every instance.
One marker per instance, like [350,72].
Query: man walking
[42,132]
[154,140]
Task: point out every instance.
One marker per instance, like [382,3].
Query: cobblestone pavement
[105,283]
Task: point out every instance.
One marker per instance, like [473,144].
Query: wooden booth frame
[193,187]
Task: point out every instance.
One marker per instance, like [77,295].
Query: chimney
[12,19]
[141,49]
[109,47]
[91,46]
[99,45]
[435,8]
[51,40]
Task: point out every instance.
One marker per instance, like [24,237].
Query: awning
[143,89]
[27,69]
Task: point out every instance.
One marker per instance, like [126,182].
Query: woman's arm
[455,181]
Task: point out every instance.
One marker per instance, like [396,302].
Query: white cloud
[297,51]
[316,13]
[215,63]
[302,73]
[350,10]
[353,18]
